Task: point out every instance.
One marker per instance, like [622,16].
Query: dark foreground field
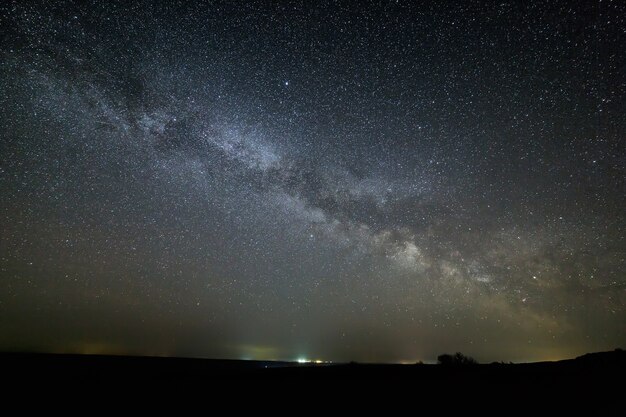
[588,370]
[591,383]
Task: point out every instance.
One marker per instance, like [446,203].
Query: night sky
[368,181]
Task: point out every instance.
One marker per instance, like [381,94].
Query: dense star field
[371,181]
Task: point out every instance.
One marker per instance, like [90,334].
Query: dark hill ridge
[615,357]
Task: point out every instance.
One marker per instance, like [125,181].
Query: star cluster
[381,181]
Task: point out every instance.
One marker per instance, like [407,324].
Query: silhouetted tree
[456,359]
[445,359]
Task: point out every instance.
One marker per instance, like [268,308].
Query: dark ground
[602,366]
[591,383]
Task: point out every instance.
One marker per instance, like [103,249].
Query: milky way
[384,181]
